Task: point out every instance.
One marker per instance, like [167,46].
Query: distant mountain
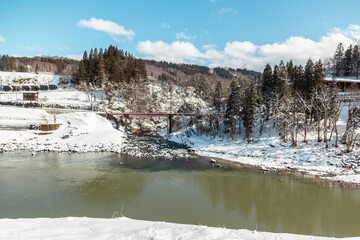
[179,72]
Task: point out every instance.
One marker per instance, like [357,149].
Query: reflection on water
[98,185]
[107,188]
[269,204]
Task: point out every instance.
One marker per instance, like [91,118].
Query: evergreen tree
[218,96]
[279,80]
[90,68]
[348,61]
[249,108]
[309,75]
[267,89]
[319,74]
[338,59]
[283,71]
[297,80]
[290,69]
[91,54]
[232,108]
[100,73]
[85,56]
[356,61]
[202,88]
[82,73]
[141,68]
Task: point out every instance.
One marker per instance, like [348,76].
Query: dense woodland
[192,69]
[346,63]
[109,66]
[56,65]
[189,69]
[123,76]
[293,98]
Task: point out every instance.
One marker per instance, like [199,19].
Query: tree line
[56,65]
[346,63]
[111,65]
[291,98]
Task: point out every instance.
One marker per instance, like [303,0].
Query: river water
[183,191]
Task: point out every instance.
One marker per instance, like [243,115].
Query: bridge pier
[126,123]
[170,124]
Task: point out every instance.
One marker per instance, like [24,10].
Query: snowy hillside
[79,132]
[15,78]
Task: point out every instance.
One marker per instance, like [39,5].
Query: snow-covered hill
[20,78]
[79,131]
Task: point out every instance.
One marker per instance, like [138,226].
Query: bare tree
[305,108]
[283,116]
[353,123]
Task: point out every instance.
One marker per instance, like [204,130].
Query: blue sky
[208,32]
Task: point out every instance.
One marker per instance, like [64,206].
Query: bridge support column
[126,123]
[170,124]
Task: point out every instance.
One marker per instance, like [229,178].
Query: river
[181,190]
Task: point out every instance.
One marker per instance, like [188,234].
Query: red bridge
[168,115]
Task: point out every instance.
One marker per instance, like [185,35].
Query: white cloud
[182,35]
[239,49]
[62,48]
[245,54]
[165,25]
[75,57]
[33,48]
[208,46]
[353,31]
[228,10]
[107,26]
[174,52]
[2,39]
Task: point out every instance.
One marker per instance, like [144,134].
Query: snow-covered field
[79,131]
[124,228]
[18,78]
[64,96]
[68,98]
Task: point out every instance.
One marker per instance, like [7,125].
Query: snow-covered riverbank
[269,151]
[88,132]
[124,228]
[78,132]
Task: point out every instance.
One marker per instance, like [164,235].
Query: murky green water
[97,185]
